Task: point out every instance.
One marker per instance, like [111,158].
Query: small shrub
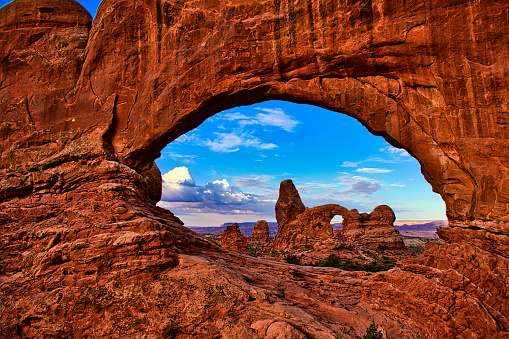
[381,247]
[292,259]
[306,248]
[338,262]
[254,250]
[372,332]
[376,265]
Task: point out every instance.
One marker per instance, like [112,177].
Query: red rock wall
[429,76]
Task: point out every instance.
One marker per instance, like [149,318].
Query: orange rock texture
[85,108]
[260,233]
[232,239]
[299,226]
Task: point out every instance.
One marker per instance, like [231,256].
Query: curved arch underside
[427,76]
[86,108]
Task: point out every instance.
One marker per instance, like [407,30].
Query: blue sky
[230,167]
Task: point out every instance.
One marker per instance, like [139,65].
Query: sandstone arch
[85,110]
[156,69]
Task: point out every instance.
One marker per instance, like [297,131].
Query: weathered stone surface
[154,182]
[288,205]
[312,225]
[260,233]
[83,113]
[371,230]
[307,228]
[233,239]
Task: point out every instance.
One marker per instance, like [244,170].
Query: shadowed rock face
[260,233]
[84,110]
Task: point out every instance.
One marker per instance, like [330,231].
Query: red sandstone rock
[371,230]
[260,233]
[81,116]
[233,239]
[312,225]
[288,205]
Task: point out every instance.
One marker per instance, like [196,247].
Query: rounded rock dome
[43,13]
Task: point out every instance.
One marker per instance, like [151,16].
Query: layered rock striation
[86,108]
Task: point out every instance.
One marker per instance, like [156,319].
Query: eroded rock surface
[310,226]
[85,110]
[260,233]
[371,230]
[288,205]
[233,239]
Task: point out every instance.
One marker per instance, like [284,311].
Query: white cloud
[371,170]
[231,142]
[256,181]
[187,159]
[397,184]
[179,185]
[350,164]
[364,187]
[275,117]
[219,196]
[395,151]
[235,116]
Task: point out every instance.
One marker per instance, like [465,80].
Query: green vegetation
[306,248]
[377,265]
[292,259]
[372,332]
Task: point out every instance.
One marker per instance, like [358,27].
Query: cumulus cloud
[371,170]
[179,185]
[231,142]
[182,195]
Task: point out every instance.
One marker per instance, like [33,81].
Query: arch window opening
[229,168]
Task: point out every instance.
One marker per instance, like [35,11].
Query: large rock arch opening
[86,108]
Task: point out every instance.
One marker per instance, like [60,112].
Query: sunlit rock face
[299,226]
[84,111]
[232,239]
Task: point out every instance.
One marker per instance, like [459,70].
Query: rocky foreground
[85,109]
